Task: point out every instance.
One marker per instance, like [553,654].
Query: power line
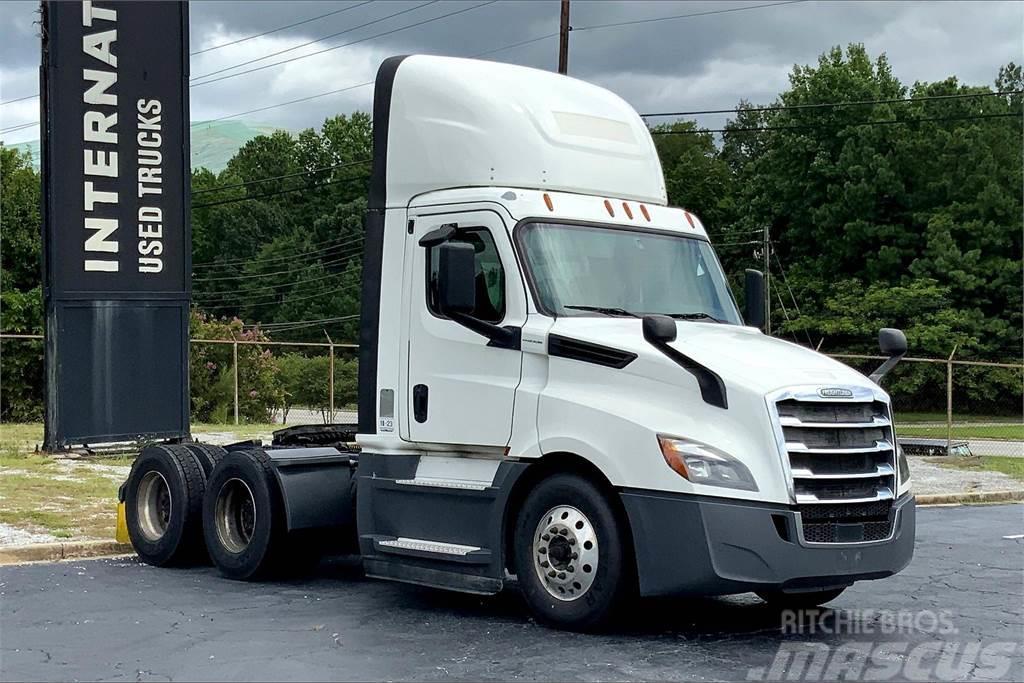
[282,177]
[757,129]
[278,192]
[340,258]
[319,253]
[301,261]
[20,126]
[282,104]
[239,295]
[19,99]
[684,16]
[317,249]
[280,28]
[270,326]
[275,298]
[338,47]
[315,323]
[313,42]
[787,107]
[359,85]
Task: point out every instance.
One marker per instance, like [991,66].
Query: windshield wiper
[694,316]
[606,310]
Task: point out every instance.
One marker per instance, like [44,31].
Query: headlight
[904,468]
[704,464]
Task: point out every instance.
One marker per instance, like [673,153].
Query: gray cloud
[692,63]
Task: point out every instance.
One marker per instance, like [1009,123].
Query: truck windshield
[589,270]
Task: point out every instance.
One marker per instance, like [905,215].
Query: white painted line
[1014,537]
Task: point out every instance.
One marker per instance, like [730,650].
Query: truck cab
[556,385]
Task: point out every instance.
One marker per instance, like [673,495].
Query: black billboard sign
[116,236]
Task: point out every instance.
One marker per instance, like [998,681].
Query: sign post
[116,233]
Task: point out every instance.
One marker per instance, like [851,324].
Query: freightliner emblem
[835,392]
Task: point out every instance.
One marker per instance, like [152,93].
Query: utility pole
[767,282]
[563,39]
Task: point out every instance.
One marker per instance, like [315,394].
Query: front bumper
[711,546]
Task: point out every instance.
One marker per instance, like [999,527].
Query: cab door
[460,388]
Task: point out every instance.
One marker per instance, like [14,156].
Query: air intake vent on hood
[588,352]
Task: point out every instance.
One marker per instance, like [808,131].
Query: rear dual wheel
[243,516]
[163,503]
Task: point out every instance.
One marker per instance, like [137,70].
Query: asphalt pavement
[954,613]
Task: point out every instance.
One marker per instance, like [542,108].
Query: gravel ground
[11,536]
[928,478]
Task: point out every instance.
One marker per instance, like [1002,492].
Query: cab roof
[443,122]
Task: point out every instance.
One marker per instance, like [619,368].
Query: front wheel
[571,553]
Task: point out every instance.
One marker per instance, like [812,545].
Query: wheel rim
[235,515]
[565,553]
[153,506]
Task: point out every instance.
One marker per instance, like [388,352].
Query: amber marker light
[643,210]
[608,205]
[629,211]
[547,200]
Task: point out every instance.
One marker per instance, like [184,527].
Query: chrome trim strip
[881,470]
[879,447]
[882,493]
[876,421]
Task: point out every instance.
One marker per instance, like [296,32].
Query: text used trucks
[555,385]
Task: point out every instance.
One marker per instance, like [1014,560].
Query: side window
[490,276]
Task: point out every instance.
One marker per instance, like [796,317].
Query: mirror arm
[883,369]
[501,337]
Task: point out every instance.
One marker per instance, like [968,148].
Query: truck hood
[740,355]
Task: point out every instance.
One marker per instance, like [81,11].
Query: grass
[1009,432]
[66,499]
[1010,466]
[905,418]
[74,499]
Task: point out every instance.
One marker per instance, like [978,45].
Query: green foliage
[211,373]
[21,303]
[286,256]
[303,381]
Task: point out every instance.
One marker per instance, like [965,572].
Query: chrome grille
[843,462]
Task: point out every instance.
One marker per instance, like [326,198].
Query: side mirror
[659,328]
[456,278]
[892,343]
[753,288]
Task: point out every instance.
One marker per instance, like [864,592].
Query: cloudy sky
[706,61]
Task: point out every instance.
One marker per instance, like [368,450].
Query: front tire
[571,553]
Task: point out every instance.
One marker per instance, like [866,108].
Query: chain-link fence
[954,406]
[942,405]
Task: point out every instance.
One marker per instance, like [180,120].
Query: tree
[21,304]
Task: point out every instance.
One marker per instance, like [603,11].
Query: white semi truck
[556,386]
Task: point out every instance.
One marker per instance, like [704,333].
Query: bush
[303,381]
[211,374]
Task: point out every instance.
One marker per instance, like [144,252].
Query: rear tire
[571,553]
[800,600]
[207,455]
[243,517]
[163,506]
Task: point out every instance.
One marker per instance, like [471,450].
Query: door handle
[420,394]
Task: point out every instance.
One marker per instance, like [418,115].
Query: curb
[53,552]
[967,498]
